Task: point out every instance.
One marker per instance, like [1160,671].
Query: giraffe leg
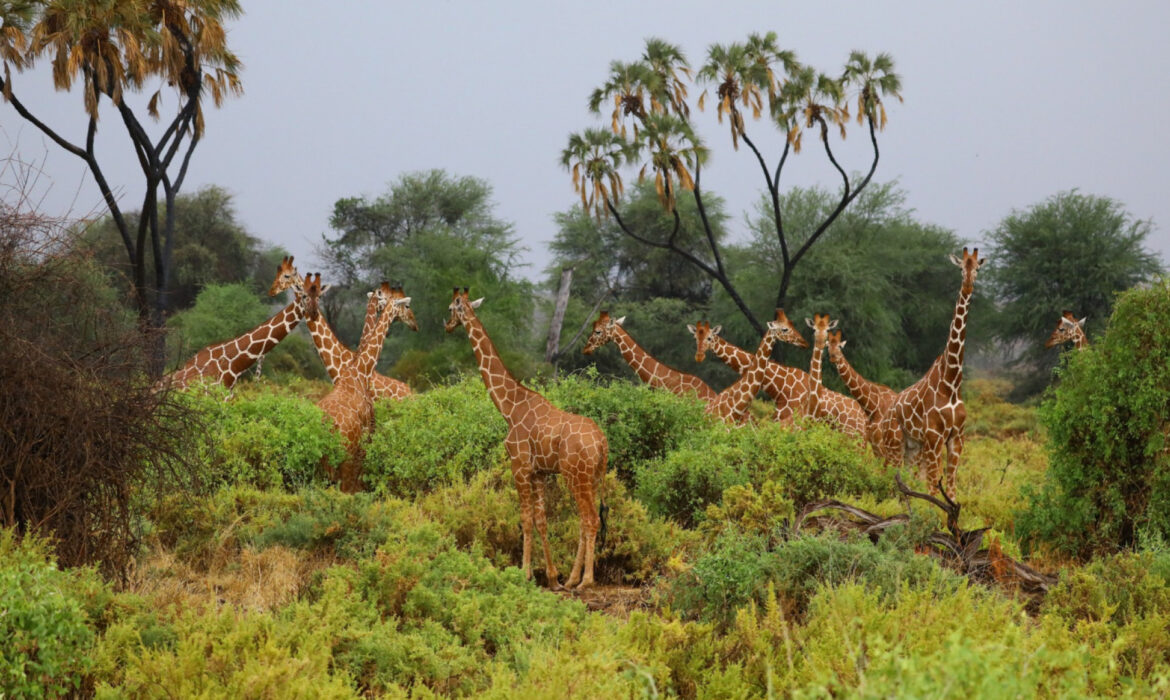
[578,561]
[522,474]
[590,523]
[539,485]
[930,457]
[954,451]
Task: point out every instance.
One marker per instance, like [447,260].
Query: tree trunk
[552,349]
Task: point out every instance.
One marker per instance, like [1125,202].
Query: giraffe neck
[867,393]
[642,362]
[744,389]
[264,337]
[734,357]
[373,337]
[333,353]
[814,369]
[501,385]
[953,356]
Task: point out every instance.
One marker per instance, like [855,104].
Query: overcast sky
[1006,103]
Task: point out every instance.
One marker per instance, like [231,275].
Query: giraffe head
[781,329]
[312,291]
[400,307]
[705,335]
[462,309]
[834,344]
[821,327]
[969,264]
[604,330]
[286,277]
[1068,330]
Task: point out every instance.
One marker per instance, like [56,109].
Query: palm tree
[873,79]
[667,63]
[593,157]
[630,86]
[112,47]
[673,151]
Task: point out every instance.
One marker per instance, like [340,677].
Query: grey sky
[1005,104]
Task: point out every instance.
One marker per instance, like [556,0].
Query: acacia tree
[113,49]
[651,126]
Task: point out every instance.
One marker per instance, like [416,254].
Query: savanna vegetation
[160,543]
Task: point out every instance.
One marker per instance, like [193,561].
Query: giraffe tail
[602,512]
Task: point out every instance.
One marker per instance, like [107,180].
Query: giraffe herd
[914,427]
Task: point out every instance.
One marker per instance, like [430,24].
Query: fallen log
[959,549]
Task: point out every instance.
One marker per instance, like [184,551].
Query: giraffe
[335,355]
[225,362]
[542,440]
[349,406]
[732,403]
[931,411]
[1069,330]
[648,369]
[843,412]
[882,430]
[787,386]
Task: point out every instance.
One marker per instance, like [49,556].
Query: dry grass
[245,579]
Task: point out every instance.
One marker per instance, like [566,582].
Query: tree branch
[28,116]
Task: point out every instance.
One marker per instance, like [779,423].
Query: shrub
[812,463]
[43,620]
[739,569]
[484,514]
[263,439]
[640,422]
[83,432]
[438,437]
[1109,479]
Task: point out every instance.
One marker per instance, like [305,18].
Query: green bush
[265,439]
[484,514]
[739,569]
[44,620]
[438,437]
[640,422]
[808,464]
[1109,479]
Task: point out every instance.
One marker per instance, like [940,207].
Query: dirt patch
[618,601]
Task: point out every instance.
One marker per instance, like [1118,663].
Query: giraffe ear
[369,294]
[691,328]
[475,304]
[956,261]
[842,343]
[1081,322]
[716,329]
[833,324]
[324,289]
[809,322]
[404,301]
[619,321]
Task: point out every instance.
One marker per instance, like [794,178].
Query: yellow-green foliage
[811,463]
[46,618]
[438,437]
[256,590]
[484,513]
[262,438]
[990,414]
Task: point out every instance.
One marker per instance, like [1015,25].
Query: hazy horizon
[1005,105]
